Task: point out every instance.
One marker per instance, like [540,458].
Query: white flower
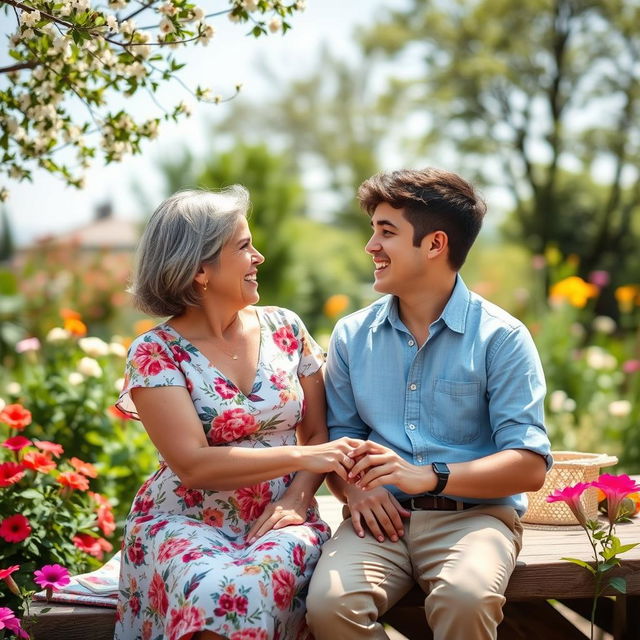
[89,367]
[249,5]
[28,34]
[58,334]
[136,69]
[3,404]
[604,324]
[118,384]
[569,405]
[598,359]
[118,349]
[168,9]
[207,33]
[557,400]
[14,388]
[4,194]
[30,18]
[166,26]
[112,23]
[75,378]
[197,13]
[28,344]
[301,5]
[620,408]
[127,27]
[94,347]
[275,24]
[183,107]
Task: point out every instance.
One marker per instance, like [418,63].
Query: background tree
[70,52]
[540,97]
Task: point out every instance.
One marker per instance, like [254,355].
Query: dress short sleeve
[150,363]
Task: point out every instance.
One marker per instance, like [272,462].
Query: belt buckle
[414,507]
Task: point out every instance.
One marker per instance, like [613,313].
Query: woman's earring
[204,286]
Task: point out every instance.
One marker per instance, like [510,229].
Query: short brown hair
[431,200]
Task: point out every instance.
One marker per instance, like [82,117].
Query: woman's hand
[277,515]
[330,456]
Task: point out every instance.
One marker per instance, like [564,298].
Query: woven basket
[569,467]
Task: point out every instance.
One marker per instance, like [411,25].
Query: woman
[222,539]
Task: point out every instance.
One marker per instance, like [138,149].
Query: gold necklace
[233,356]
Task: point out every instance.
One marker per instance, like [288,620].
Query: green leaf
[581,563]
[619,584]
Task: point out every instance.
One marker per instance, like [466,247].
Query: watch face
[440,468]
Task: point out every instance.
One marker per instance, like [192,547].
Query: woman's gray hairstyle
[185,231]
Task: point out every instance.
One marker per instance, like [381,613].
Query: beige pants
[462,560]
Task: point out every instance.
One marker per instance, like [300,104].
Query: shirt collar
[454,314]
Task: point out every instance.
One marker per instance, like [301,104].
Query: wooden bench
[540,575]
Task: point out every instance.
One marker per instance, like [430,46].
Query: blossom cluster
[49,513]
[74,51]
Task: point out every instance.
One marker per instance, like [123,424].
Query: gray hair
[187,230]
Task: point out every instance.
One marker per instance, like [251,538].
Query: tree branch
[22,65]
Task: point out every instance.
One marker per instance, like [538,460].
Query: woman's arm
[173,425]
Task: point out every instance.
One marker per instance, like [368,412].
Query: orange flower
[85,468]
[92,546]
[38,461]
[627,295]
[335,305]
[116,412]
[16,416]
[142,326]
[70,314]
[574,290]
[106,521]
[49,447]
[73,480]
[75,327]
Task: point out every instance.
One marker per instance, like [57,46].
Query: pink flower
[134,602]
[9,621]
[16,443]
[143,504]
[298,557]
[192,555]
[50,447]
[231,425]
[249,634]
[631,366]
[253,500]
[179,354]
[172,547]
[283,583]
[285,339]
[10,473]
[15,528]
[615,489]
[571,496]
[15,416]
[224,388]
[92,545]
[185,620]
[158,526]
[28,344]
[52,576]
[150,359]
[5,573]
[158,600]
[279,379]
[135,552]
[600,278]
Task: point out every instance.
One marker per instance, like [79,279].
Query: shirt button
[412,427]
[411,343]
[413,386]
[419,458]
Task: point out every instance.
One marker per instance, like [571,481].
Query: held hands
[330,457]
[377,465]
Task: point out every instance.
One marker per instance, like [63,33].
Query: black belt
[435,503]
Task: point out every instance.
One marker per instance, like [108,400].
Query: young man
[448,391]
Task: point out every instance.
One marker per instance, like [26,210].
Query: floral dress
[185,563]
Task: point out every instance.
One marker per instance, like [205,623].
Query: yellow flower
[627,295]
[75,327]
[574,290]
[335,305]
[552,255]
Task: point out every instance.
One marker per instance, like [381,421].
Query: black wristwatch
[441,469]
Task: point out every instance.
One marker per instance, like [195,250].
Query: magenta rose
[150,359]
[232,424]
[158,600]
[187,619]
[253,500]
[283,583]
[285,340]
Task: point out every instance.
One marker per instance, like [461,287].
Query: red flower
[16,416]
[172,547]
[143,504]
[212,517]
[231,425]
[15,528]
[192,555]
[185,620]
[5,573]
[226,604]
[158,600]
[571,497]
[118,413]
[298,557]
[134,601]
[279,379]
[38,461]
[615,489]
[52,576]
[51,447]
[224,388]
[147,629]
[158,526]
[253,500]
[191,497]
[85,468]
[150,359]
[179,354]
[249,634]
[285,339]
[242,605]
[136,552]
[16,443]
[73,480]
[92,545]
[10,473]
[106,521]
[283,583]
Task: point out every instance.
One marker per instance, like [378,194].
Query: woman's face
[234,275]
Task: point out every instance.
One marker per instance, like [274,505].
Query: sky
[46,206]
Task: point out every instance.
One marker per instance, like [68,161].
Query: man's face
[399,266]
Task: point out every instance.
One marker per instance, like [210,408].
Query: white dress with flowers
[185,563]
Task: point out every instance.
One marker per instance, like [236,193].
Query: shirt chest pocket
[454,411]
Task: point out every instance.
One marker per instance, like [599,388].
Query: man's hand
[379,510]
[377,466]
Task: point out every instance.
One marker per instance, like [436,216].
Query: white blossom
[94,347]
[620,408]
[75,378]
[112,23]
[168,9]
[89,367]
[197,13]
[604,324]
[57,334]
[118,349]
[207,33]
[598,359]
[119,384]
[275,24]
[249,5]
[14,388]
[556,400]
[3,404]
[30,18]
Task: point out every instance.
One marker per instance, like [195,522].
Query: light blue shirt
[475,387]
